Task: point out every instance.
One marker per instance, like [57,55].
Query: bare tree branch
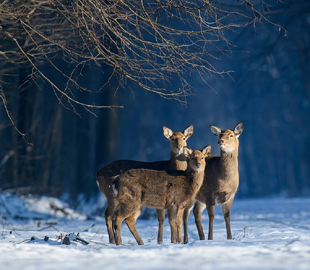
[2,96]
[151,43]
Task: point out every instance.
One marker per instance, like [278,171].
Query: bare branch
[151,43]
[2,96]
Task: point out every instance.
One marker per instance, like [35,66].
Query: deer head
[178,139]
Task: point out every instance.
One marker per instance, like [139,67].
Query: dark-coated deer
[107,174]
[173,191]
[220,183]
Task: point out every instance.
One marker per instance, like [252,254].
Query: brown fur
[174,191]
[220,183]
[107,174]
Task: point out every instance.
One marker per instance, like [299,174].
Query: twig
[2,96]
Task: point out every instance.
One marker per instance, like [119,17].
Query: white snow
[268,234]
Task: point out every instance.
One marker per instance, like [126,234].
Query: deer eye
[231,136]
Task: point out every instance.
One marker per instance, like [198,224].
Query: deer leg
[123,211]
[210,209]
[226,212]
[161,217]
[198,209]
[185,222]
[109,223]
[172,216]
[131,224]
[179,226]
[117,229]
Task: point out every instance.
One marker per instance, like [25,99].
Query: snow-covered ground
[268,234]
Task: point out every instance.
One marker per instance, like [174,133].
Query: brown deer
[173,191]
[220,183]
[107,174]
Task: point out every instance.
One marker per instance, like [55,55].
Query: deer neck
[195,179]
[177,162]
[229,163]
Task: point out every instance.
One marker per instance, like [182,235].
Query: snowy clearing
[268,234]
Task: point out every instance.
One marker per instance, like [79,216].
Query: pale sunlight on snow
[268,234]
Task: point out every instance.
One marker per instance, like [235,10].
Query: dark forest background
[269,92]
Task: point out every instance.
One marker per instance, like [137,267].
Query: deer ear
[167,132]
[215,130]
[206,150]
[238,129]
[188,131]
[187,151]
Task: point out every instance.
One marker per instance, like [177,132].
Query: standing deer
[107,174]
[174,191]
[220,183]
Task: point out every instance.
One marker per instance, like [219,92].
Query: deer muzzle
[221,142]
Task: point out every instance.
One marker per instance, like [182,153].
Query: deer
[173,191]
[220,184]
[107,174]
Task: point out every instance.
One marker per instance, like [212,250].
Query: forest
[84,83]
